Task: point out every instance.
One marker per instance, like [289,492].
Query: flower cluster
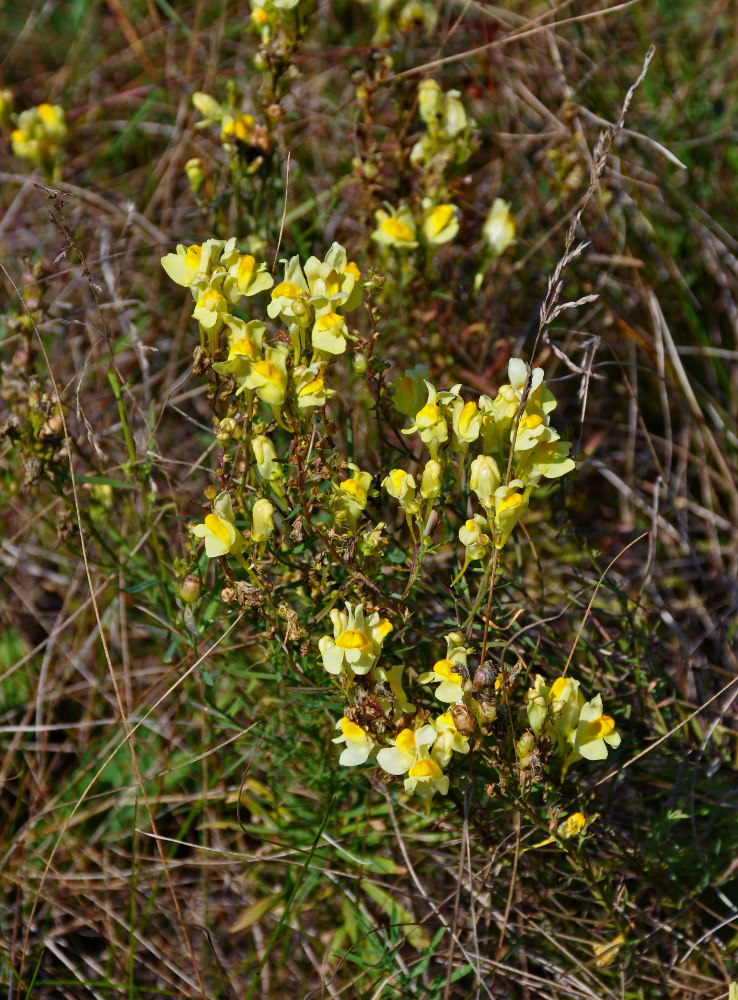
[420,753]
[398,230]
[400,15]
[286,374]
[39,135]
[270,371]
[579,729]
[451,428]
[446,140]
[238,131]
[289,379]
[422,746]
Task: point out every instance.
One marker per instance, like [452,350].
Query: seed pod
[190,588]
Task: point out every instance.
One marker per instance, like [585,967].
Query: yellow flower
[244,346]
[431,421]
[195,265]
[575,824]
[432,481]
[290,298]
[440,223]
[237,128]
[245,276]
[210,311]
[329,333]
[430,102]
[466,422]
[474,539]
[410,390]
[454,119]
[194,174]
[219,529]
[425,778]
[511,501]
[395,228]
[404,751]
[356,642]
[269,376]
[448,741]
[270,471]
[359,744]
[310,387]
[450,673]
[211,110]
[350,497]
[595,732]
[401,486]
[333,282]
[393,677]
[39,135]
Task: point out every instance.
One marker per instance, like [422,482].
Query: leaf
[252,914]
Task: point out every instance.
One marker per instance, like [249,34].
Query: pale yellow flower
[219,529]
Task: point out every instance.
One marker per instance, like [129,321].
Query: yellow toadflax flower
[268,377]
[219,529]
[484,479]
[511,502]
[356,643]
[39,135]
[425,778]
[193,266]
[290,298]
[244,346]
[334,281]
[431,420]
[401,486]
[440,223]
[466,423]
[448,741]
[395,228]
[329,333]
[350,497]
[359,744]
[262,521]
[411,390]
[451,672]
[405,751]
[311,389]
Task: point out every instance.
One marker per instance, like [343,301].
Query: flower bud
[266,458]
[410,390]
[499,227]
[526,744]
[193,170]
[207,105]
[484,479]
[361,363]
[430,101]
[430,484]
[262,524]
[454,116]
